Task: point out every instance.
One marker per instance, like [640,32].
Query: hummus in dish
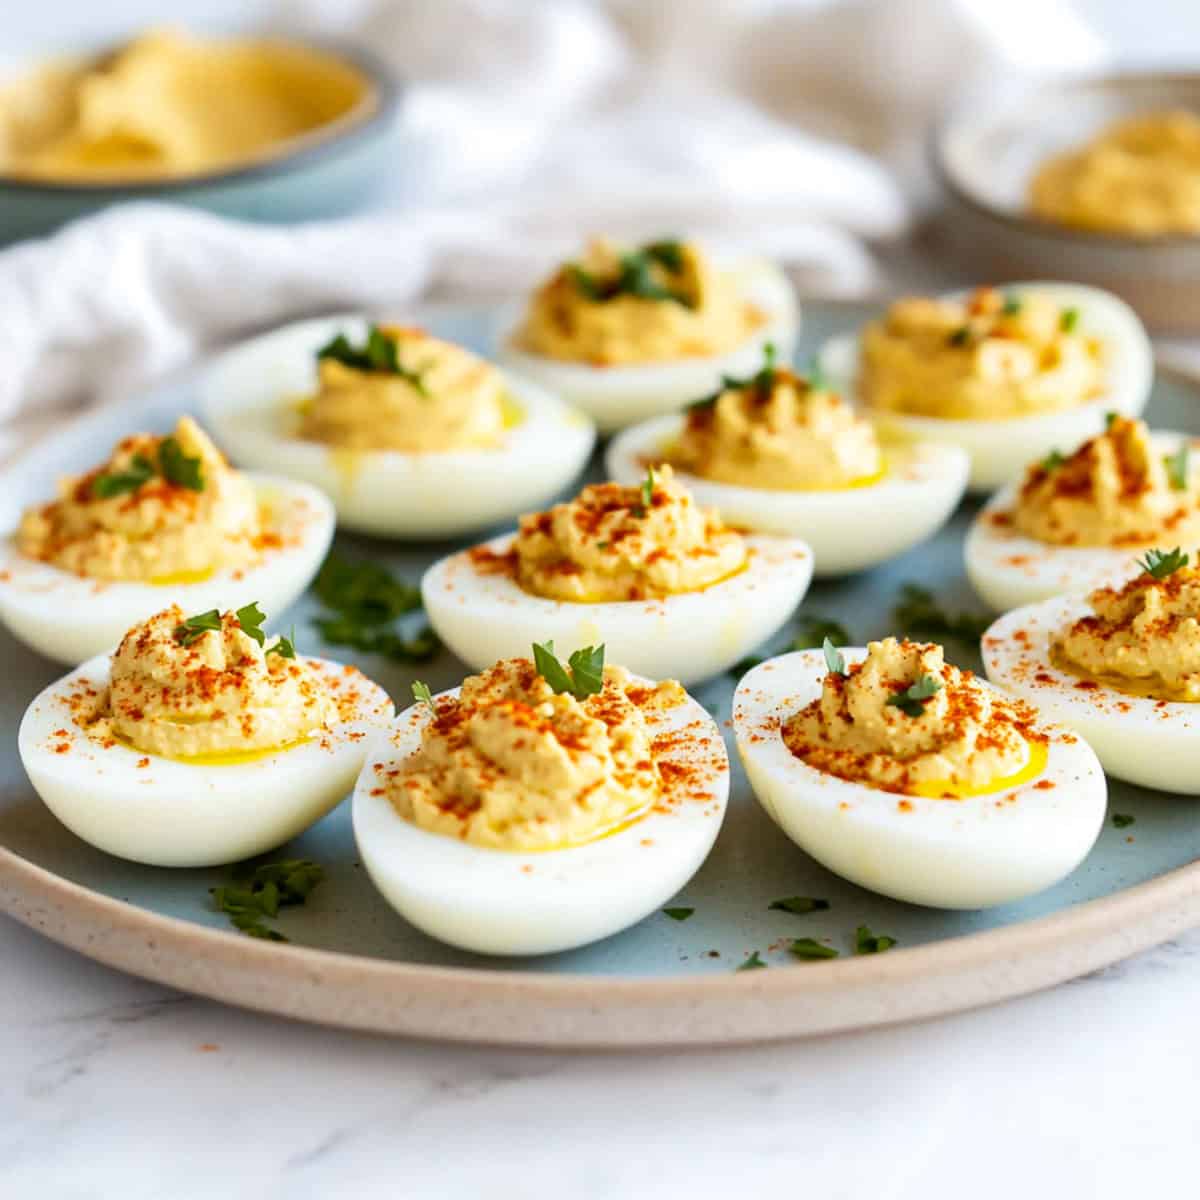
[182,691]
[406,391]
[161,510]
[1117,489]
[658,303]
[905,720]
[511,765]
[778,431]
[626,543]
[1143,637]
[989,357]
[168,105]
[1139,176]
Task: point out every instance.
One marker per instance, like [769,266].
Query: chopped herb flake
[644,273]
[261,891]
[753,963]
[1110,419]
[913,699]
[1161,563]
[865,942]
[1012,305]
[250,618]
[918,612]
[1053,460]
[834,659]
[799,904]
[285,647]
[961,336]
[678,914]
[379,353]
[422,695]
[809,949]
[178,468]
[195,627]
[1179,467]
[118,483]
[1123,820]
[1069,320]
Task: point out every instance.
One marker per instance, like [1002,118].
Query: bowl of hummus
[251,126]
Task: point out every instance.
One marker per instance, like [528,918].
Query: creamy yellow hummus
[1115,490]
[963,738]
[1140,176]
[1143,637]
[626,543]
[442,398]
[656,303]
[989,357]
[776,431]
[217,694]
[141,517]
[167,105]
[513,766]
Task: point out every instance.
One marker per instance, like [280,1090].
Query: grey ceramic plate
[353,962]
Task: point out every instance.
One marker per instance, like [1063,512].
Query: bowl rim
[374,111]
[1024,221]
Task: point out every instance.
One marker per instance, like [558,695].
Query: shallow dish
[354,962]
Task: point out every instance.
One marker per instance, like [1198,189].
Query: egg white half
[616,396]
[849,529]
[970,853]
[505,902]
[247,402]
[172,813]
[690,636]
[1001,449]
[69,617]
[1010,570]
[1148,742]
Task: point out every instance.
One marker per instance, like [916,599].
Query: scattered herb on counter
[118,483]
[1053,460]
[378,353]
[261,891]
[583,675]
[913,699]
[834,659]
[678,914]
[798,904]
[1161,563]
[919,612]
[809,949]
[1123,820]
[183,470]
[753,963]
[1012,305]
[865,942]
[250,617]
[1178,467]
[422,695]
[1068,320]
[743,665]
[194,627]
[816,631]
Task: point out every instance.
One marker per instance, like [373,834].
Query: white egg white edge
[849,529]
[482,617]
[509,902]
[101,611]
[1010,570]
[178,814]
[876,845]
[1152,743]
[244,397]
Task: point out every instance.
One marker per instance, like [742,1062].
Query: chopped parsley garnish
[422,695]
[1053,460]
[583,675]
[1110,419]
[379,353]
[195,627]
[181,469]
[809,949]
[647,493]
[1068,320]
[1123,820]
[250,618]
[263,891]
[1179,467]
[678,914]
[753,963]
[919,612]
[743,665]
[285,647]
[961,336]
[865,942]
[834,659]
[762,382]
[118,483]
[640,274]
[913,699]
[1161,563]
[1012,305]
[816,631]
[799,904]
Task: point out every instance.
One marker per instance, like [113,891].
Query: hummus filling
[1115,490]
[166,105]
[989,357]
[778,431]
[961,739]
[512,765]
[405,391]
[626,543]
[1142,638]
[208,694]
[1140,176]
[618,307]
[161,510]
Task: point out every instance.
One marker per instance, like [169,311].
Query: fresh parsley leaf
[961,336]
[1053,460]
[586,675]
[834,659]
[195,627]
[799,905]
[422,695]
[668,252]
[118,483]
[647,493]
[380,352]
[913,699]
[1012,305]
[753,963]
[1110,419]
[639,274]
[678,914]
[1123,820]
[865,942]
[365,593]
[285,647]
[809,949]
[918,612]
[1161,563]
[762,382]
[262,890]
[250,618]
[387,643]
[1068,320]
[178,468]
[1179,466]
[816,631]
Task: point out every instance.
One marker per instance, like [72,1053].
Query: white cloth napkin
[785,127]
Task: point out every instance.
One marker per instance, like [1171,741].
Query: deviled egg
[1076,520]
[1007,375]
[671,590]
[541,806]
[201,742]
[912,778]
[164,520]
[627,333]
[1120,665]
[411,436]
[778,453]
